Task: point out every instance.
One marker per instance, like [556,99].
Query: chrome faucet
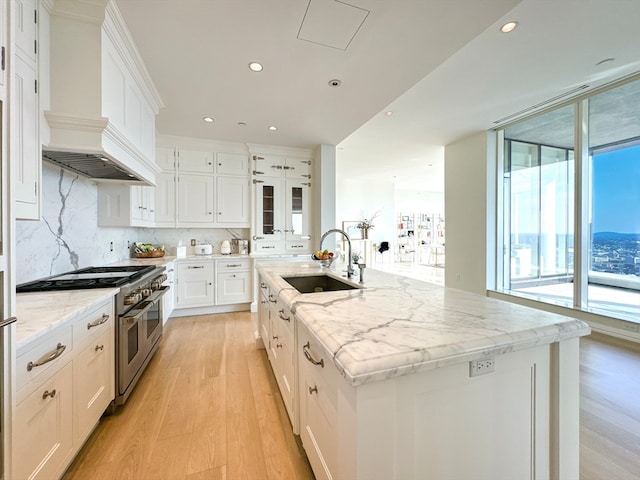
[350,270]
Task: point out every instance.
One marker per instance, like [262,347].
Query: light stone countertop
[398,325]
[40,312]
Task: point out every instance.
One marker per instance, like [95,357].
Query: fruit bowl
[325,262]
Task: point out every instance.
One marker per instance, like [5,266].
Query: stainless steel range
[138,309]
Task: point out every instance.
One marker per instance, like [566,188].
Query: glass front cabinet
[282,193]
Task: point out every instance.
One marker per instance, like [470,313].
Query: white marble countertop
[397,325]
[40,312]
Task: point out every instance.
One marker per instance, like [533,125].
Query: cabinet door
[165,200]
[25,145]
[165,159]
[269,209]
[232,195]
[287,373]
[195,198]
[263,313]
[43,421]
[195,284]
[297,168]
[199,161]
[169,297]
[297,225]
[93,381]
[232,164]
[268,165]
[233,288]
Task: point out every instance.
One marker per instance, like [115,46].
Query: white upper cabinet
[25,109]
[282,204]
[200,187]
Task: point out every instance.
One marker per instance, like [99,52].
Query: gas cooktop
[90,277]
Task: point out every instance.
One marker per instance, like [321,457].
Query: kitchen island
[405,379]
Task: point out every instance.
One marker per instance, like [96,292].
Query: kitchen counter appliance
[138,310]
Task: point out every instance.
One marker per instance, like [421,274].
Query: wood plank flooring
[208,408]
[609,409]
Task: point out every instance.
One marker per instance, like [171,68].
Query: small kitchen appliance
[225,248]
[205,249]
[239,247]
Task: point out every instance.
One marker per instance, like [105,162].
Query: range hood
[96,166]
[103,103]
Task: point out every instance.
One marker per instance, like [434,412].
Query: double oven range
[138,310]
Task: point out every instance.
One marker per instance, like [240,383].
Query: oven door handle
[145,306]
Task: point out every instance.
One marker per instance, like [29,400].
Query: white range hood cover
[103,102]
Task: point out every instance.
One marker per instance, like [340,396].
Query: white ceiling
[442,67]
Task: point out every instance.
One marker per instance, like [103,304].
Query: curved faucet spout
[350,270]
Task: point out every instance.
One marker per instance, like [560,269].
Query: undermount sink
[319,283]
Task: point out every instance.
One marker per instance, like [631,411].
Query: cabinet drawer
[233,264]
[93,324]
[267,247]
[42,358]
[298,246]
[43,429]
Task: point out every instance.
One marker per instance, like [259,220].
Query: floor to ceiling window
[539,199]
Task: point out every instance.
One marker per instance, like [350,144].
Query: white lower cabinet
[233,281]
[413,426]
[194,283]
[43,428]
[65,382]
[169,299]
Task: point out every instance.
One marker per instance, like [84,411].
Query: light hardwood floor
[208,407]
[609,409]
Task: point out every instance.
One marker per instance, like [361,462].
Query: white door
[232,194]
[195,198]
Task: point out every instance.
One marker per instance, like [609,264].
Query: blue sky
[616,191]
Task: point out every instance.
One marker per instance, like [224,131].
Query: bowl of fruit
[323,257]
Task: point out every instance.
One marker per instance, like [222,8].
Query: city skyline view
[616,191]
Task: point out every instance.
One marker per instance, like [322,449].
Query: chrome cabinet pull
[48,393]
[229,265]
[308,356]
[100,321]
[313,390]
[47,357]
[99,347]
[263,285]
[281,315]
[278,345]
[200,266]
[257,157]
[271,298]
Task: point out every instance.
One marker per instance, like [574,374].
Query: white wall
[415,201]
[469,212]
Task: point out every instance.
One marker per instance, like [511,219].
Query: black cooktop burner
[90,277]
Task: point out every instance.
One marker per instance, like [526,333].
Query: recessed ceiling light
[388,113]
[508,27]
[255,66]
[273,128]
[208,119]
[335,82]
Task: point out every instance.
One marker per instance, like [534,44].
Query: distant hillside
[604,236]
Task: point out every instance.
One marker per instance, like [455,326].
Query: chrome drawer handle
[99,347]
[313,390]
[229,265]
[201,266]
[48,393]
[47,357]
[263,285]
[281,315]
[271,299]
[100,321]
[308,356]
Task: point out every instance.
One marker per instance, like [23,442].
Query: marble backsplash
[67,237]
